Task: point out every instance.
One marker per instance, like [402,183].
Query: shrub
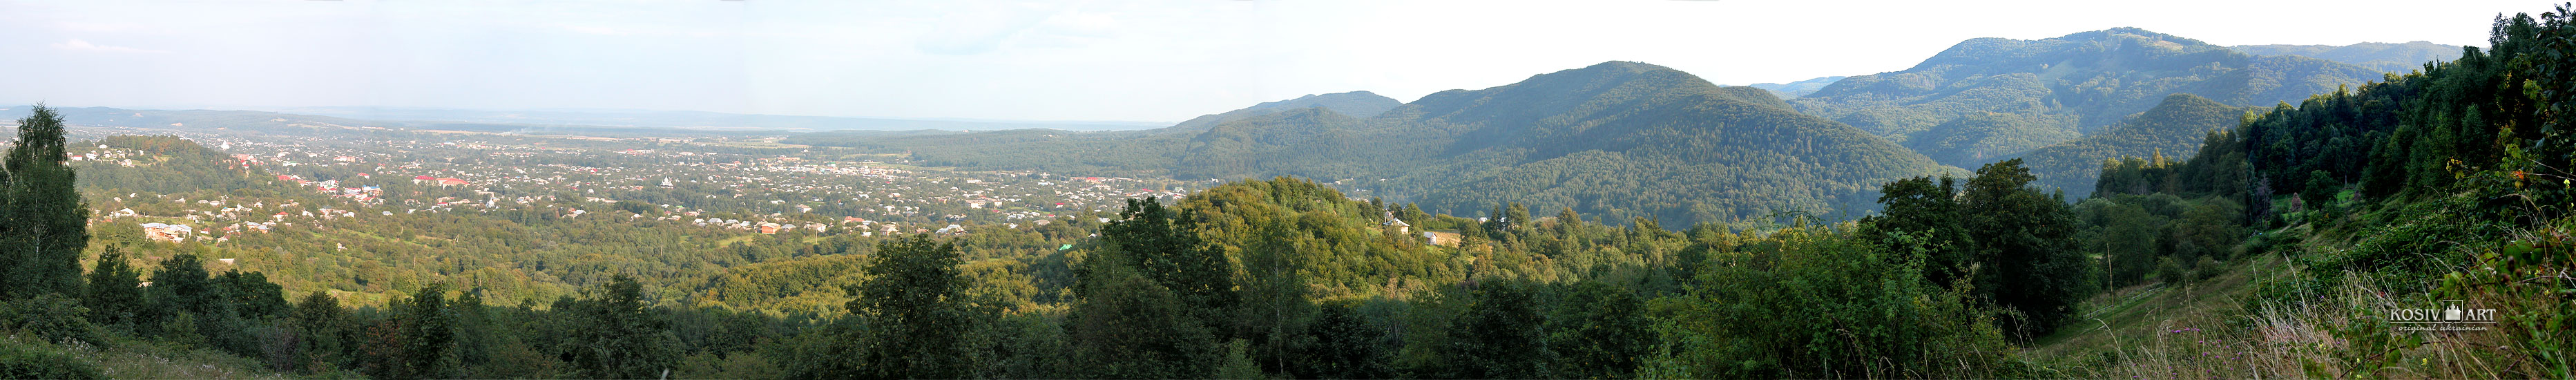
[52,316]
[21,360]
[2171,271]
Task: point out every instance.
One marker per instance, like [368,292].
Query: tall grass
[2295,325]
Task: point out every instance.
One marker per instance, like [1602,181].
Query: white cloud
[79,45]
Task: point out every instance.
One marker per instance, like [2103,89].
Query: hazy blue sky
[1069,60]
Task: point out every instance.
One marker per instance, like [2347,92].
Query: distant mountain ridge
[1617,140]
[2387,57]
[2011,96]
[290,123]
[1793,90]
[700,120]
[1360,104]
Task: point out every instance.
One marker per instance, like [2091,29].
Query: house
[1400,226]
[166,232]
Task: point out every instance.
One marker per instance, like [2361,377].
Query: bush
[2171,271]
[51,316]
[1860,312]
[2208,268]
[21,360]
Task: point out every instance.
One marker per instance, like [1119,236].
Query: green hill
[2398,58]
[1624,140]
[2173,130]
[1985,137]
[2057,89]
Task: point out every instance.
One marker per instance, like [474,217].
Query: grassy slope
[2205,329]
[2128,317]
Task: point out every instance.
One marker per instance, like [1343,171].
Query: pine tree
[115,292]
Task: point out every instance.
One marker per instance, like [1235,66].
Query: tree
[252,296]
[1162,246]
[43,223]
[1931,215]
[914,302]
[1502,336]
[324,328]
[2026,240]
[418,341]
[181,292]
[115,292]
[1127,327]
[1345,347]
[1599,332]
[1276,308]
[2320,191]
[616,333]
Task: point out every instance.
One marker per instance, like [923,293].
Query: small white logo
[2454,315]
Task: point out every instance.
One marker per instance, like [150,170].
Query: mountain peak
[2128,40]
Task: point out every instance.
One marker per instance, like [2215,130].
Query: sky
[1146,61]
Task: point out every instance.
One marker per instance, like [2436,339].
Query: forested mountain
[2396,58]
[1627,140]
[2018,95]
[1793,90]
[1359,104]
[1617,139]
[2173,131]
